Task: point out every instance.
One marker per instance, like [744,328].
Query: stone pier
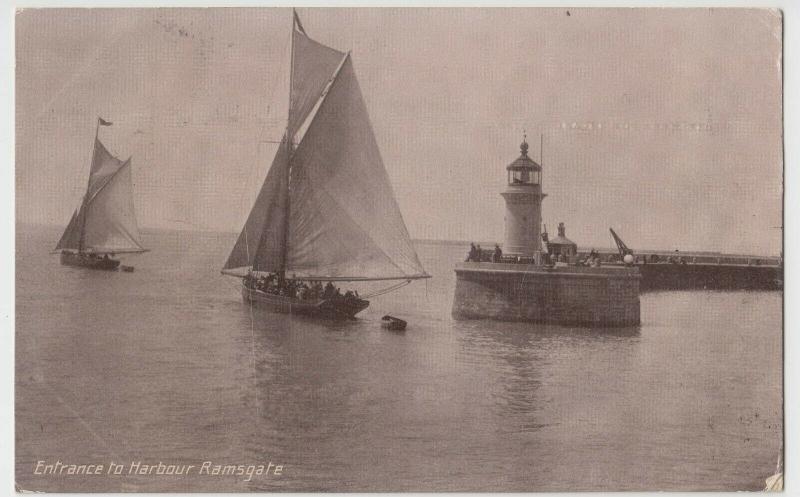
[568,295]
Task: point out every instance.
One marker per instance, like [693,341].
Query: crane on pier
[623,249]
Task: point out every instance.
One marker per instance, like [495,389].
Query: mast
[296,25]
[89,182]
[288,136]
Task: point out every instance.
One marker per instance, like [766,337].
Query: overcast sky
[664,124]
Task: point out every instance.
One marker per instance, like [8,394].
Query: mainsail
[106,221]
[313,66]
[326,209]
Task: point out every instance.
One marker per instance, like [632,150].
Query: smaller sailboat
[105,223]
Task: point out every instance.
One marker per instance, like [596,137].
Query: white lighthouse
[523,196]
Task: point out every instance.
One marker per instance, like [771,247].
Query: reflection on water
[168,364]
[523,354]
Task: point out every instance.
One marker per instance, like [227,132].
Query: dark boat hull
[328,308]
[394,326]
[393,323]
[83,260]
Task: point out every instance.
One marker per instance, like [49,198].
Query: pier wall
[667,276]
[604,296]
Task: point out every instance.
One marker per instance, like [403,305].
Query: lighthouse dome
[523,162]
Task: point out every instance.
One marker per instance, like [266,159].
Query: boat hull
[393,323]
[326,308]
[394,326]
[83,260]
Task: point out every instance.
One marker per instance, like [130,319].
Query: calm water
[167,364]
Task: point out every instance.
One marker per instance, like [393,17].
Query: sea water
[166,366]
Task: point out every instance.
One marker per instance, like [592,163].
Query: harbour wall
[693,276]
[569,295]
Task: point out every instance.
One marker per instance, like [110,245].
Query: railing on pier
[487,255]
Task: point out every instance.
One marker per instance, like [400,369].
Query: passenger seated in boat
[314,290]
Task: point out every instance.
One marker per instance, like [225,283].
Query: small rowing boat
[393,323]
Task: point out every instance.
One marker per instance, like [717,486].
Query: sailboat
[105,223]
[326,211]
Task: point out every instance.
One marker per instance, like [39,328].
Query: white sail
[261,243]
[110,217]
[71,238]
[340,220]
[264,230]
[106,220]
[344,220]
[313,66]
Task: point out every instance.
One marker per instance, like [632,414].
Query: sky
[663,124]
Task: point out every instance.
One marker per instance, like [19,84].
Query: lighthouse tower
[523,196]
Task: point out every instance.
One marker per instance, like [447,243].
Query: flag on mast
[103,122]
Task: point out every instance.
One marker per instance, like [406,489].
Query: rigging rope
[387,290]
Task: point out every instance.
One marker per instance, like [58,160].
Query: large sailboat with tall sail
[326,211]
[104,225]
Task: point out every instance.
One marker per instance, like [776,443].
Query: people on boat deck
[293,288]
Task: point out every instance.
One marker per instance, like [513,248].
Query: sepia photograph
[427,249]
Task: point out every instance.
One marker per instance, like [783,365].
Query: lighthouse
[523,196]
[530,287]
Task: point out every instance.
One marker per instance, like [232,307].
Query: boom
[623,249]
